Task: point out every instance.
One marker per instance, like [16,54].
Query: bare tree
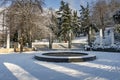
[99,12]
[22,15]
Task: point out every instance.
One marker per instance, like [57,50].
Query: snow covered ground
[16,66]
[80,40]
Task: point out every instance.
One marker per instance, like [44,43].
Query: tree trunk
[30,42]
[21,43]
[89,37]
[103,30]
[69,42]
[50,41]
[65,40]
[30,39]
[15,46]
[21,46]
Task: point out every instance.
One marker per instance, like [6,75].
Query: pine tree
[116,18]
[87,25]
[65,22]
[76,24]
[68,23]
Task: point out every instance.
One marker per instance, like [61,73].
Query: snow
[19,72]
[107,40]
[77,43]
[76,40]
[80,40]
[16,66]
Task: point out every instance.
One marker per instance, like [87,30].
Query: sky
[74,4]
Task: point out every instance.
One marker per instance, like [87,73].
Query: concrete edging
[42,57]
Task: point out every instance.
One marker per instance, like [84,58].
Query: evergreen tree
[76,24]
[65,20]
[65,23]
[68,23]
[116,18]
[87,25]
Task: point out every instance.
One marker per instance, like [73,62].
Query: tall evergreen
[65,20]
[87,25]
[65,23]
[68,23]
[76,24]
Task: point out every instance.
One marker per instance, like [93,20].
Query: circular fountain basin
[65,57]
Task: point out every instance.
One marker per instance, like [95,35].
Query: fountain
[65,56]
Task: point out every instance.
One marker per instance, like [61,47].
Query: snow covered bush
[114,48]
